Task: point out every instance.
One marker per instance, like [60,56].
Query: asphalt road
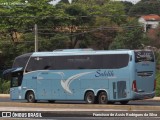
[78,110]
[139,102]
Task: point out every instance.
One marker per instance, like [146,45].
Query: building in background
[150,21]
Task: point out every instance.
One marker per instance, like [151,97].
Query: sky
[133,1]
[56,1]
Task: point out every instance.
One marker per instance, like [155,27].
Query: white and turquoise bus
[95,76]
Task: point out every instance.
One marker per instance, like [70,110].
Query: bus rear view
[143,86]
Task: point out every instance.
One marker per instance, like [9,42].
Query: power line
[70,17]
[78,29]
[73,34]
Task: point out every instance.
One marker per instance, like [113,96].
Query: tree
[106,16]
[145,7]
[59,41]
[127,6]
[154,35]
[81,24]
[129,37]
[24,17]
[75,22]
[17,26]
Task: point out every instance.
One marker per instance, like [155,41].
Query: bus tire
[102,98]
[89,97]
[31,97]
[124,102]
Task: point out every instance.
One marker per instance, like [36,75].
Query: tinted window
[16,79]
[144,56]
[40,63]
[115,61]
[78,62]
[21,61]
[73,62]
[92,61]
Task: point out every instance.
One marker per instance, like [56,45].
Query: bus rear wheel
[31,97]
[89,97]
[102,98]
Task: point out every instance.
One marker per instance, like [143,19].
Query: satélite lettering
[100,73]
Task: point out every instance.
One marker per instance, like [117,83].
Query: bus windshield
[21,61]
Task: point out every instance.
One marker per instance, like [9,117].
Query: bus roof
[66,52]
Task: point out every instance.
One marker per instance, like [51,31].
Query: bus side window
[16,79]
[40,63]
[14,82]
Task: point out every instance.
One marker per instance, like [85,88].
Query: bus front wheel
[102,98]
[31,97]
[90,97]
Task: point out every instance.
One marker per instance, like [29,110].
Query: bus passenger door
[16,88]
[14,91]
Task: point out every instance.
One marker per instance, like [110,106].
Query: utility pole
[36,37]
